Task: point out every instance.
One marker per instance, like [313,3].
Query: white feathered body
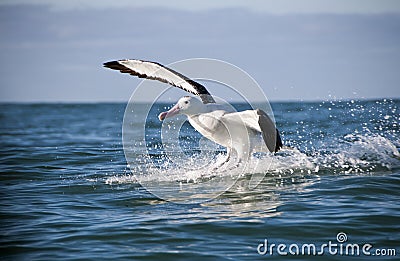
[238,131]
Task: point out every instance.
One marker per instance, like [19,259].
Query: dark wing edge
[204,95]
[270,133]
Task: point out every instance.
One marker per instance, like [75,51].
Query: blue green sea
[67,191]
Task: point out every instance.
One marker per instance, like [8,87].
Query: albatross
[241,133]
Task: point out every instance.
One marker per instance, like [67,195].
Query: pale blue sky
[296,50]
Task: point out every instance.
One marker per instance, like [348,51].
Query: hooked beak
[166,114]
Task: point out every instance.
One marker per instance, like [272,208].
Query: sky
[53,51]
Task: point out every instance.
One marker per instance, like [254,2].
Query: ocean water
[68,192]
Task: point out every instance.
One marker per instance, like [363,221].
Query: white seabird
[241,133]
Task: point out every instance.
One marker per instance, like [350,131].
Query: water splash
[355,153]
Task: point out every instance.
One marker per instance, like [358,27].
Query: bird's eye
[186,102]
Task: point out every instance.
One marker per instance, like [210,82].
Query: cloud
[263,6]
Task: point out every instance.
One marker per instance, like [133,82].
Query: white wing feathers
[248,118]
[259,121]
[219,126]
[156,71]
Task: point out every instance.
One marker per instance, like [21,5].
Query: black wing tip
[279,143]
[278,140]
[112,64]
[116,65]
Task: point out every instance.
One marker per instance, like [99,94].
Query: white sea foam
[355,153]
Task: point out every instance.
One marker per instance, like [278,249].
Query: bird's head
[186,105]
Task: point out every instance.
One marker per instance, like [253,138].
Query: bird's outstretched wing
[156,71]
